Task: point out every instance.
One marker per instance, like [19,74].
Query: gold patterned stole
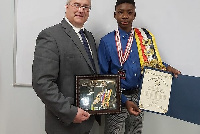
[147,49]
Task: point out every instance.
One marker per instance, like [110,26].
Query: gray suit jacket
[60,56]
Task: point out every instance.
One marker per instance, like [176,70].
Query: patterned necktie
[85,43]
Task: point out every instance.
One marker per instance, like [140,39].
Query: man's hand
[132,108]
[81,116]
[174,71]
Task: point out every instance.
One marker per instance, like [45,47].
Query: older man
[61,53]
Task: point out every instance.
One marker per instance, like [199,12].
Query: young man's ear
[114,14]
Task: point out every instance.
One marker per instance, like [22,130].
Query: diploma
[155,91]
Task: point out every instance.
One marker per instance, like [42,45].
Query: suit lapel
[70,32]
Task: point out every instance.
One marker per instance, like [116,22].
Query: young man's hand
[132,108]
[173,70]
[81,116]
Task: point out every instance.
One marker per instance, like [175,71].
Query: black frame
[98,94]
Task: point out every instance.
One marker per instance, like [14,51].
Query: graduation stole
[147,49]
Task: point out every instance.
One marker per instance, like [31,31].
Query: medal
[122,73]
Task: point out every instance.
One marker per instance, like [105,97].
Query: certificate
[155,91]
[98,94]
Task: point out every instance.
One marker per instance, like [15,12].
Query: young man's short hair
[124,1]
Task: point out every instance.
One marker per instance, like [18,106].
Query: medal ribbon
[123,56]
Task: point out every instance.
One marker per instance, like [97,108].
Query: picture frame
[98,94]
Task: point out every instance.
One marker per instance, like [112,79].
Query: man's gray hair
[68,1]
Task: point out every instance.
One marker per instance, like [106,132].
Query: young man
[60,55]
[123,52]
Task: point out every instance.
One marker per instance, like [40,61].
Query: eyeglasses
[78,6]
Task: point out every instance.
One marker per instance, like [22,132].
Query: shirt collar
[76,29]
[123,33]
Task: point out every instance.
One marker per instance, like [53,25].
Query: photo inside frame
[100,95]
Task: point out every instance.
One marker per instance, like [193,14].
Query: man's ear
[114,15]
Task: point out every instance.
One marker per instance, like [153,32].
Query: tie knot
[81,31]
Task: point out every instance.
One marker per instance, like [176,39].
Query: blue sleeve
[123,98]
[103,57]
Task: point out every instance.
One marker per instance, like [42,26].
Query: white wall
[21,112]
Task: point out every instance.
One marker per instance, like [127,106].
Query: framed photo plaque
[155,92]
[98,94]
